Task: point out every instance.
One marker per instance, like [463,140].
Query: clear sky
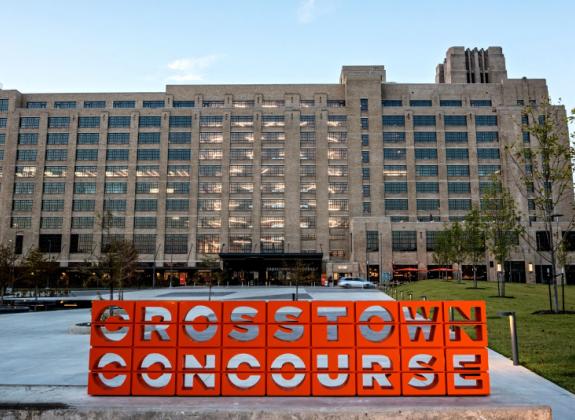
[121,45]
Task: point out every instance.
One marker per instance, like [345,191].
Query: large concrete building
[360,174]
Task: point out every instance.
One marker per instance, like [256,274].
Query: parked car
[356,282]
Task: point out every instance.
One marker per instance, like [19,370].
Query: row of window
[430,120]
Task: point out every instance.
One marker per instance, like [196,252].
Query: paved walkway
[37,349]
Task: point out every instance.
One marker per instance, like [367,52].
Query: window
[338,205]
[372,240]
[35,105]
[456,137]
[273,187]
[179,154]
[307,121]
[480,102]
[306,103]
[485,120]
[211,204]
[365,139]
[427,187]
[457,170]
[82,222]
[82,171]
[395,187]
[487,154]
[391,102]
[56,154]
[366,190]
[145,243]
[363,104]
[404,241]
[450,102]
[273,170]
[393,136]
[147,121]
[425,154]
[272,243]
[124,104]
[29,155]
[273,204]
[487,136]
[116,170]
[51,222]
[365,173]
[272,222]
[526,137]
[147,170]
[273,154]
[459,204]
[84,188]
[211,121]
[65,104]
[3,105]
[419,102]
[393,120]
[244,104]
[456,154]
[147,188]
[24,188]
[25,171]
[177,204]
[153,104]
[393,153]
[423,120]
[246,136]
[335,103]
[179,170]
[338,170]
[337,137]
[22,205]
[184,104]
[119,122]
[115,205]
[29,122]
[180,121]
[118,138]
[208,244]
[87,154]
[148,138]
[176,222]
[28,138]
[58,122]
[178,244]
[427,204]
[425,137]
[366,208]
[55,171]
[398,219]
[273,121]
[94,104]
[50,243]
[307,222]
[3,122]
[57,138]
[455,120]
[364,123]
[426,170]
[337,154]
[396,204]
[52,205]
[307,138]
[146,204]
[235,222]
[487,170]
[88,122]
[116,188]
[543,242]
[431,240]
[235,187]
[2,138]
[213,104]
[148,154]
[179,137]
[117,154]
[307,204]
[458,187]
[174,187]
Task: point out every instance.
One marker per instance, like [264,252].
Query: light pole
[154,267]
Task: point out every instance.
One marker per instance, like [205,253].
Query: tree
[458,247]
[443,250]
[7,261]
[502,226]
[35,266]
[474,240]
[544,160]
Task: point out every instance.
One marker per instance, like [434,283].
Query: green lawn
[546,342]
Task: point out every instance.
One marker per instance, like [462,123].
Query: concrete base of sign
[72,402]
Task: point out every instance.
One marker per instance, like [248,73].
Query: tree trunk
[474,276]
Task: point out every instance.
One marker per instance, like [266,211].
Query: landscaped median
[546,342]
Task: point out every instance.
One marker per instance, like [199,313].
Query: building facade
[363,172]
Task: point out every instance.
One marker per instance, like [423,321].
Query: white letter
[284,359]
[209,379]
[237,360]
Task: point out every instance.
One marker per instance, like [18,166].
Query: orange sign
[373,348]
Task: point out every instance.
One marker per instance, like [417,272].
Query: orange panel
[323,312]
[459,311]
[377,335]
[156,335]
[154,383]
[199,360]
[244,312]
[244,384]
[200,312]
[109,383]
[420,312]
[199,335]
[284,312]
[288,372]
[378,384]
[333,383]
[377,312]
[377,360]
[423,383]
[198,384]
[333,335]
[421,335]
[466,359]
[422,360]
[467,383]
[465,335]
[110,334]
[112,311]
[199,372]
[244,372]
[156,312]
[289,335]
[244,335]
[110,359]
[332,360]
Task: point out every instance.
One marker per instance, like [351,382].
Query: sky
[140,46]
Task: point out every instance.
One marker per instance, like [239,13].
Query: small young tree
[544,160]
[474,240]
[7,261]
[502,228]
[443,250]
[35,266]
[458,247]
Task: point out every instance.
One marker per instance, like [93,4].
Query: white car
[356,282]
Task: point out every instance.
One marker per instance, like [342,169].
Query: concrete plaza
[42,363]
